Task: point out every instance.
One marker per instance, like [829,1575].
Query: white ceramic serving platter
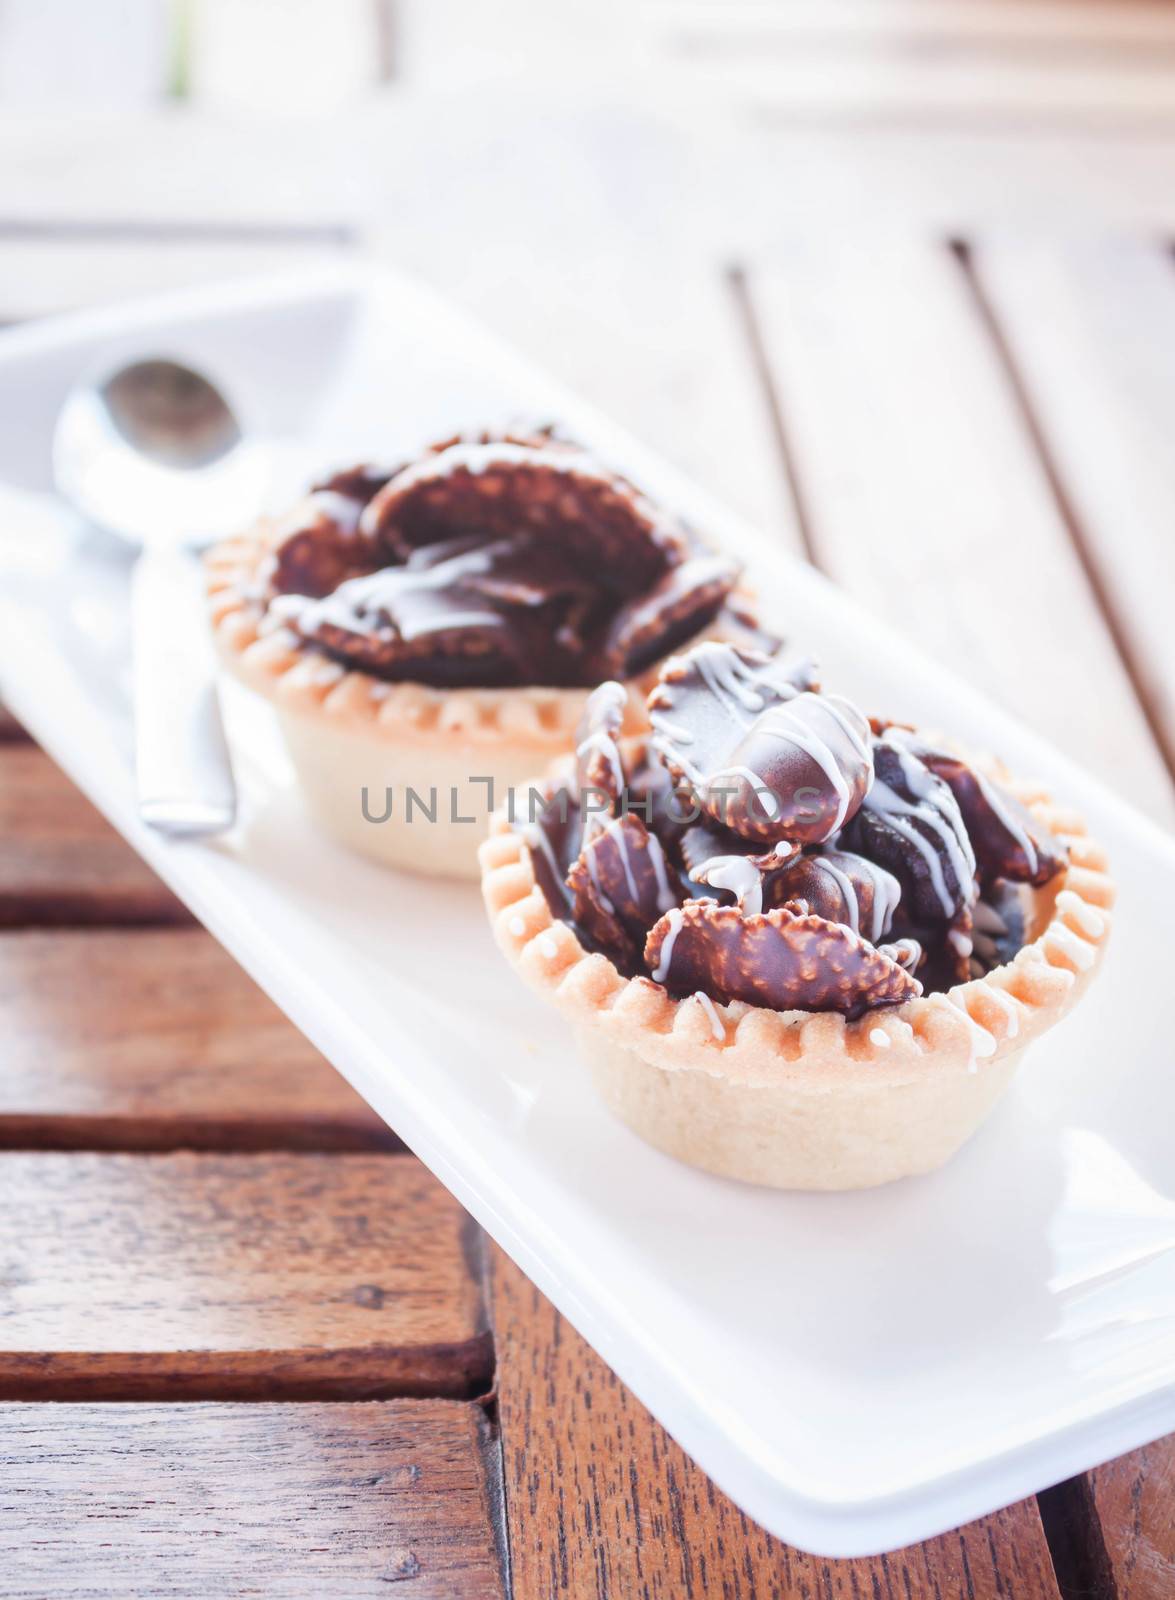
[857,1371]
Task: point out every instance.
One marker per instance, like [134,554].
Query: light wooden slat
[925,496]
[140,1040]
[118,1502]
[60,861]
[601,1502]
[1133,90]
[1134,1499]
[863,24]
[207,1276]
[654,342]
[170,166]
[58,272]
[1091,328]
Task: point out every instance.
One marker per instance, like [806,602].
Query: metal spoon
[153,453]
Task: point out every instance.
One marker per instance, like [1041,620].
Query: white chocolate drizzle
[352,606]
[982,1043]
[903,953]
[614,697]
[1007,1005]
[740,690]
[615,831]
[887,891]
[666,899]
[661,970]
[934,805]
[708,1007]
[737,874]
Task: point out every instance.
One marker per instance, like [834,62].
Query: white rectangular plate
[858,1371]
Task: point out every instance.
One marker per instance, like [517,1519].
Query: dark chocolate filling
[493,561]
[919,886]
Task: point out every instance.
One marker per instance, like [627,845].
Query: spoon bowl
[153,452]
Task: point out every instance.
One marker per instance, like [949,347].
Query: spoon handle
[185,780]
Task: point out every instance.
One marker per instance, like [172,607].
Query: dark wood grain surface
[1132,1501]
[61,863]
[206,1275]
[207,1061]
[102,1502]
[602,1503]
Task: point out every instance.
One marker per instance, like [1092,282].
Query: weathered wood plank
[925,497]
[1134,1500]
[656,343]
[602,1503]
[146,1040]
[1091,332]
[201,1276]
[60,861]
[110,1502]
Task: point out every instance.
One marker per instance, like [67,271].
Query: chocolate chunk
[1000,927]
[768,757]
[620,885]
[508,491]
[841,887]
[705,839]
[780,960]
[499,559]
[721,865]
[1007,839]
[678,606]
[910,823]
[947,952]
[598,765]
[651,795]
[360,483]
[553,838]
[705,699]
[458,612]
[363,481]
[799,772]
[317,546]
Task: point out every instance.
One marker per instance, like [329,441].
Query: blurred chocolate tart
[429,634]
[799,947]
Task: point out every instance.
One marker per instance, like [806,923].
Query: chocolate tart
[833,1007]
[437,627]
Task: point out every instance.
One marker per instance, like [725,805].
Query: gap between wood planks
[1066,508]
[987,317]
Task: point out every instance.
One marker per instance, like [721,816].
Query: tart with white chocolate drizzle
[823,975]
[438,626]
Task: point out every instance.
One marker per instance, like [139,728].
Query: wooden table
[281,1360]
